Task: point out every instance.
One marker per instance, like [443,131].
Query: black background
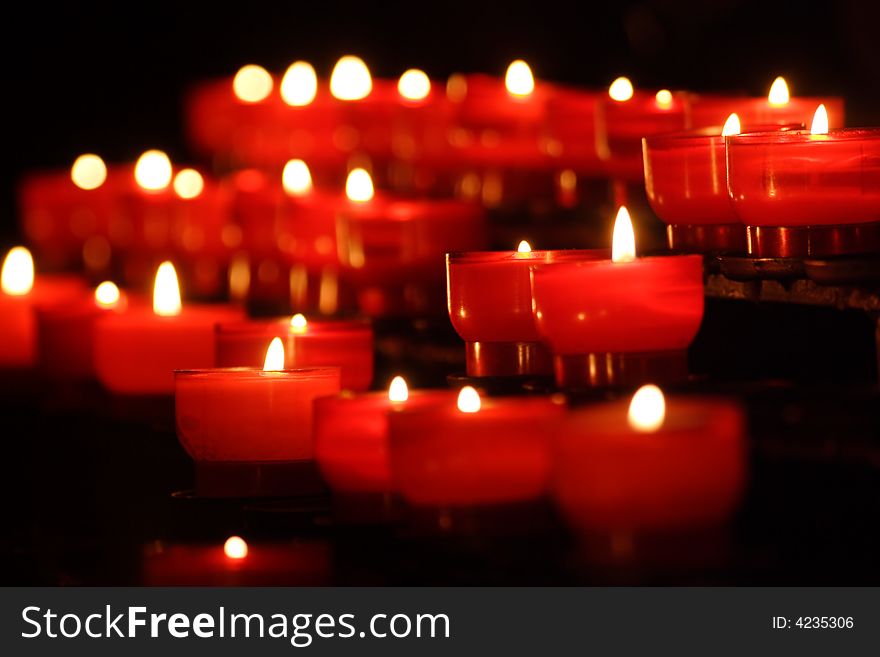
[111,79]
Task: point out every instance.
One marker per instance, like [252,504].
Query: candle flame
[166,291]
[296,178]
[299,86]
[647,410]
[664,99]
[519,80]
[524,247]
[621,89]
[731,126]
[235,548]
[88,171]
[274,356]
[107,295]
[468,400]
[350,79]
[252,84]
[153,171]
[778,92]
[414,85]
[188,183]
[398,390]
[359,186]
[298,323]
[17,278]
[820,121]
[623,241]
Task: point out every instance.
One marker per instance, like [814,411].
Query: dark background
[111,79]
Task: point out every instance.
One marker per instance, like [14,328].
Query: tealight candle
[21,293]
[249,421]
[651,464]
[490,305]
[137,351]
[351,435]
[347,344]
[619,321]
[474,451]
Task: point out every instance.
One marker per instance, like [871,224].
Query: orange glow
[778,92]
[350,79]
[359,186]
[398,390]
[235,548]
[17,278]
[621,89]
[166,292]
[469,400]
[647,410]
[299,86]
[153,171]
[296,178]
[519,80]
[252,84]
[274,356]
[188,183]
[623,241]
[88,171]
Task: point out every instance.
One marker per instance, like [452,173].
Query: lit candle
[619,321]
[137,351]
[472,451]
[650,464]
[252,425]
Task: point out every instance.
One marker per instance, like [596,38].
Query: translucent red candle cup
[490,305]
[807,195]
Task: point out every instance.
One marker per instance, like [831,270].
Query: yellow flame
[519,80]
[664,99]
[350,79]
[359,186]
[647,410]
[17,278]
[166,291]
[524,247]
[299,86]
[623,241]
[398,391]
[298,323]
[731,126]
[274,356]
[296,178]
[235,547]
[778,92]
[820,121]
[468,400]
[153,170]
[88,171]
[252,84]
[621,89]
[414,84]
[188,183]
[107,295]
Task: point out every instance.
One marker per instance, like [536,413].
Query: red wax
[623,124]
[487,105]
[18,328]
[441,456]
[686,175]
[797,179]
[266,564]
[712,109]
[571,124]
[347,344]
[351,437]
[650,304]
[246,415]
[393,249]
[136,352]
[689,474]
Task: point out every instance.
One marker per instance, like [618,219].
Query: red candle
[421,128]
[351,435]
[571,125]
[490,305]
[21,294]
[650,465]
[475,452]
[392,248]
[807,194]
[137,351]
[66,332]
[591,312]
[625,116]
[236,563]
[347,344]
